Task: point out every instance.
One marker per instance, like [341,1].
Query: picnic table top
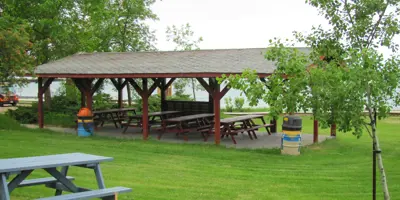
[239,118]
[49,161]
[189,117]
[156,114]
[113,110]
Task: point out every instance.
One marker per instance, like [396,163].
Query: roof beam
[156,83]
[148,75]
[169,83]
[135,86]
[97,85]
[206,86]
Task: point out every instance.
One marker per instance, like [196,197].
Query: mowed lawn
[336,169]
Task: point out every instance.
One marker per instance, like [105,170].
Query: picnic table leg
[251,124]
[4,194]
[112,118]
[246,126]
[64,171]
[127,125]
[62,179]
[233,138]
[99,177]
[266,127]
[18,179]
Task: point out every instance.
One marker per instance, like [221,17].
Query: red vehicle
[8,96]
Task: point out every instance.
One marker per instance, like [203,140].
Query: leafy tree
[58,28]
[15,58]
[239,103]
[348,75]
[183,38]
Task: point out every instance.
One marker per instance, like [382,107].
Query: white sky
[235,24]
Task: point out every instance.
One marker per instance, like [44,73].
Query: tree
[183,38]
[348,75]
[15,59]
[58,28]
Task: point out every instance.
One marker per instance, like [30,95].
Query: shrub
[228,104]
[154,103]
[24,115]
[8,123]
[239,102]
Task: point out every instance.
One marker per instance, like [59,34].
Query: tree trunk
[385,188]
[128,90]
[193,89]
[47,97]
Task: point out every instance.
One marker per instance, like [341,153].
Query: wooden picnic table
[229,126]
[188,123]
[137,120]
[116,115]
[59,180]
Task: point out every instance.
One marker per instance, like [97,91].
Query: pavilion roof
[169,64]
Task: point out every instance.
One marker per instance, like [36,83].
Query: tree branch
[346,7]
[371,37]
[366,127]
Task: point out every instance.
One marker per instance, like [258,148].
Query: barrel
[291,137]
[85,123]
[290,145]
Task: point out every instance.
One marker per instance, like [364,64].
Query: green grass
[336,169]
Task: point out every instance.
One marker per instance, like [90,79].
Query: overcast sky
[235,24]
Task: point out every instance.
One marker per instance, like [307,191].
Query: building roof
[169,64]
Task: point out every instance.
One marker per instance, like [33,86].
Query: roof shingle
[223,61]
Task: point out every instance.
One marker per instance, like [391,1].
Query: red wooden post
[145,110]
[163,90]
[120,88]
[89,99]
[333,130]
[40,103]
[315,137]
[217,115]
[83,99]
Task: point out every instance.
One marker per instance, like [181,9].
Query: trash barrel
[85,122]
[291,137]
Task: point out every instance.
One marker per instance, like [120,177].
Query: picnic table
[59,180]
[116,115]
[233,125]
[189,123]
[137,120]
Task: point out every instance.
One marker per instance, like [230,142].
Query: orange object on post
[85,112]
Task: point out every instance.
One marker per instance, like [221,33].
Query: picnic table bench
[59,180]
[189,123]
[116,116]
[137,120]
[233,125]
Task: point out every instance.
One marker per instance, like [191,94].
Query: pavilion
[89,70]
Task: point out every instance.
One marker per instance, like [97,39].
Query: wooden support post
[145,110]
[274,127]
[83,99]
[120,96]
[40,103]
[333,130]
[210,98]
[163,90]
[315,136]
[42,87]
[217,114]
[89,100]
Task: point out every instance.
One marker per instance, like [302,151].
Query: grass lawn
[336,169]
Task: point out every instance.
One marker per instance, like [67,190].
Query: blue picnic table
[59,180]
